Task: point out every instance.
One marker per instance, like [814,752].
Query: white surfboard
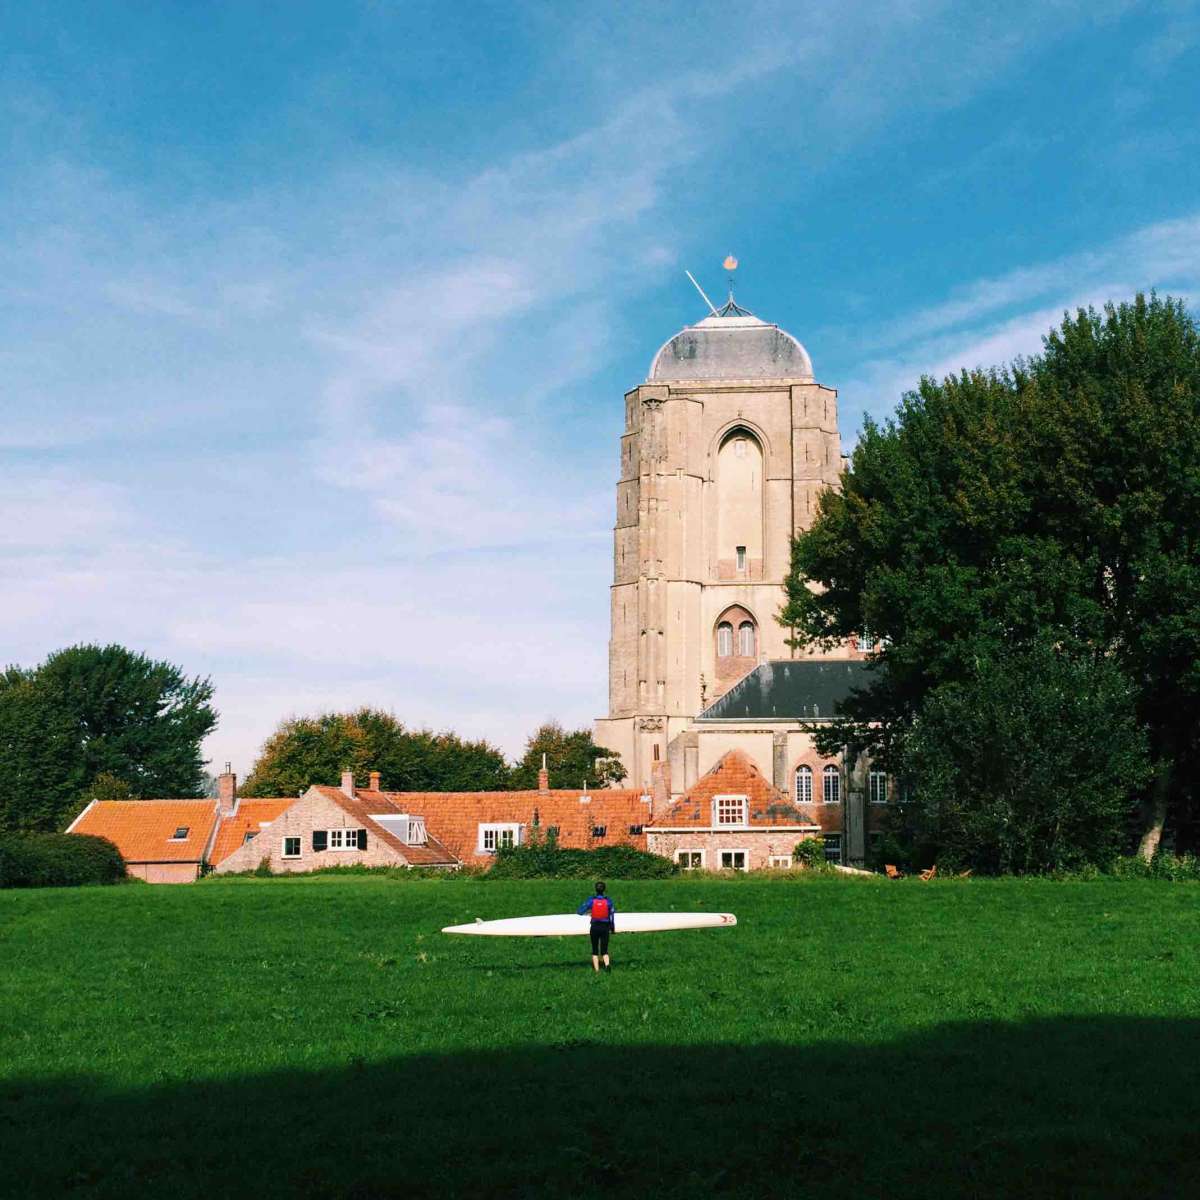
[566,924]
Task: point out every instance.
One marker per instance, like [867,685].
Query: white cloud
[994,320]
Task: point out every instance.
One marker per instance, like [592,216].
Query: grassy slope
[848,1038]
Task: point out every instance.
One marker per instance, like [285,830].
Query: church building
[727,447]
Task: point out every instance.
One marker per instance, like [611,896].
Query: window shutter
[362,839]
[320,839]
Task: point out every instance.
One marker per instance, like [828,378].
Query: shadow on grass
[1067,1107]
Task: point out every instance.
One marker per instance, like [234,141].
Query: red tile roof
[251,815]
[456,816]
[433,854]
[733,774]
[143,830]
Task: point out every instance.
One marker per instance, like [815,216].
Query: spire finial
[730,265]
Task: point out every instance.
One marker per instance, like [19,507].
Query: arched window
[746,639]
[724,640]
[833,785]
[877,786]
[804,785]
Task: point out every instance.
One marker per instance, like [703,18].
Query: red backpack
[600,908]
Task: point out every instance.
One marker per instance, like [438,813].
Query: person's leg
[604,949]
[595,948]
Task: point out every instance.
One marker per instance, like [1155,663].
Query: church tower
[727,446]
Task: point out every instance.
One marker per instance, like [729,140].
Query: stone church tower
[727,446]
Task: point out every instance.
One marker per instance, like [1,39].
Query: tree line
[107,723]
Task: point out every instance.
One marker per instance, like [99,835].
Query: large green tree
[571,758]
[94,720]
[311,750]
[1052,503]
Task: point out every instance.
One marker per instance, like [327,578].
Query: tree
[571,758]
[97,717]
[1053,502]
[1028,765]
[309,750]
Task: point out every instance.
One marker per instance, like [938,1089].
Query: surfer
[603,913]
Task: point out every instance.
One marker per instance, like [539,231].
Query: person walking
[603,914]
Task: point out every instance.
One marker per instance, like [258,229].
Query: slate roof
[790,689]
[731,345]
[143,829]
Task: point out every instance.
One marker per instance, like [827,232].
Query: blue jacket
[586,907]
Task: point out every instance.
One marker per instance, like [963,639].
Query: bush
[810,854]
[58,860]
[548,860]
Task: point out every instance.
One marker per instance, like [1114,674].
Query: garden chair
[892,871]
[926,876]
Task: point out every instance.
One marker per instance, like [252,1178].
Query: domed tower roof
[731,344]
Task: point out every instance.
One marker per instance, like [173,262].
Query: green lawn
[849,1037]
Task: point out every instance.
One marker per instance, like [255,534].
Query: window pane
[746,639]
[724,639]
[804,785]
[833,785]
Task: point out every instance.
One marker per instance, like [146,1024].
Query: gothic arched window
[746,639]
[833,785]
[724,640]
[804,785]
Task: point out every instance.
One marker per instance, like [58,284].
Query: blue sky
[315,319]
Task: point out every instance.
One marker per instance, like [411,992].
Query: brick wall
[311,811]
[761,843]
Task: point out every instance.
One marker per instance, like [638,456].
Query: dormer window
[180,834]
[730,810]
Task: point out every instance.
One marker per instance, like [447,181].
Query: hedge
[58,860]
[546,860]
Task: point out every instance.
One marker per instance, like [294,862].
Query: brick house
[766,716]
[733,818]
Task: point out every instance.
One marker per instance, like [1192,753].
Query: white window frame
[831,772]
[864,643]
[877,781]
[781,862]
[347,839]
[804,771]
[700,866]
[503,833]
[744,811]
[734,850]
[299,846]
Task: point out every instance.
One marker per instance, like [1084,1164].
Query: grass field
[850,1037]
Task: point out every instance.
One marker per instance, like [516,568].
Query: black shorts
[600,931]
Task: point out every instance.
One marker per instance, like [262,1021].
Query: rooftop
[804,689]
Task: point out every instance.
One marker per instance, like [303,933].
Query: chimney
[543,778]
[375,777]
[660,787]
[227,792]
[348,783]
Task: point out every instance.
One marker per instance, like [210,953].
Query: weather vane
[730,265]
